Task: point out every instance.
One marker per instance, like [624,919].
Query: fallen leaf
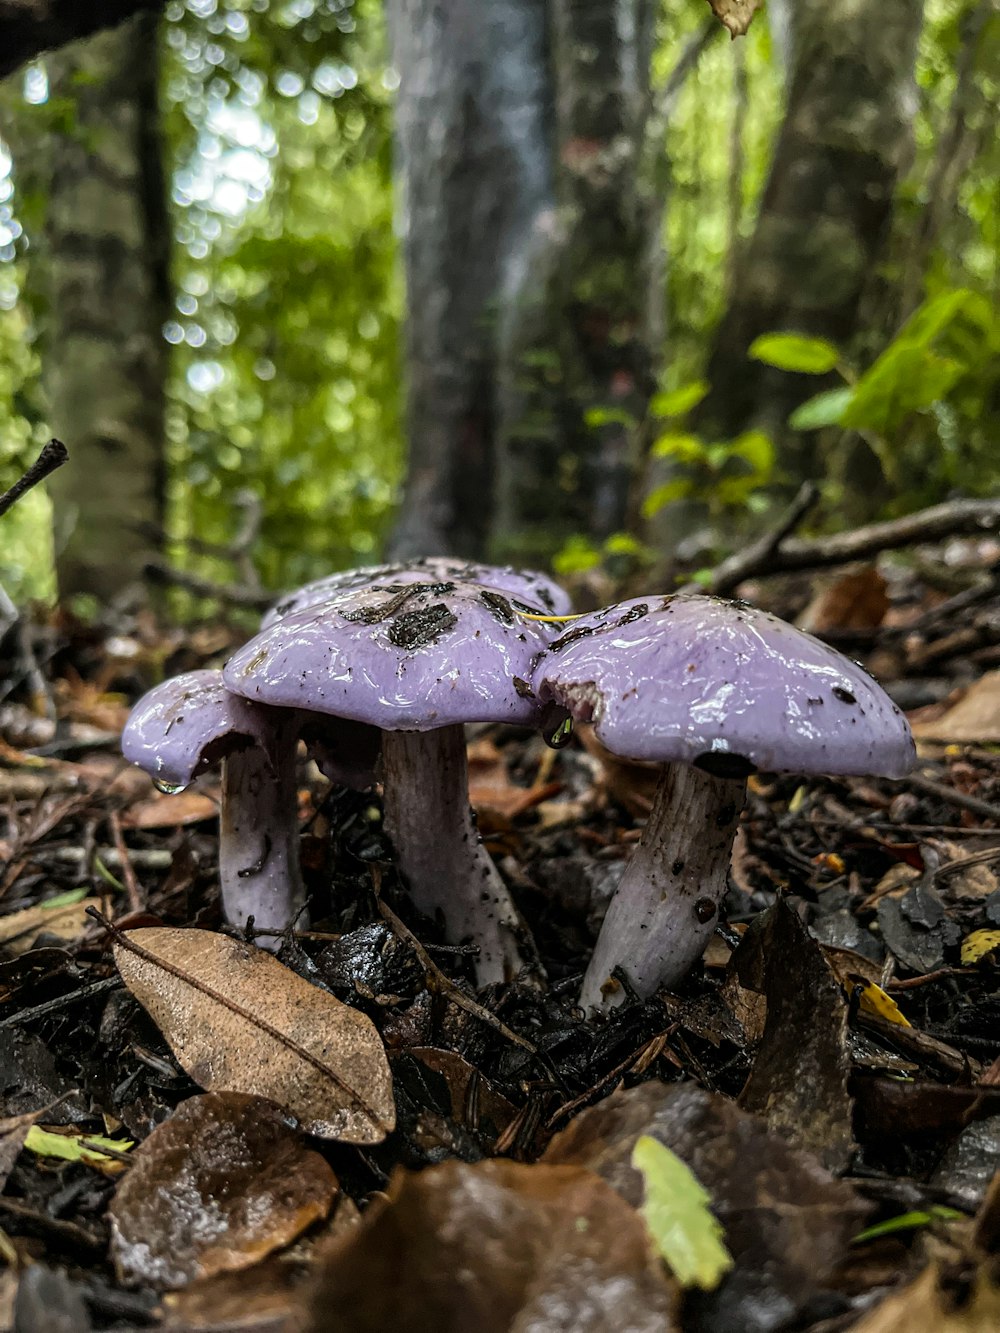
[19,930]
[498,1247]
[979,945]
[975,718]
[680,1221]
[856,601]
[74,1146]
[13,1132]
[219,1185]
[187,807]
[922,1307]
[799,1078]
[491,791]
[736,15]
[788,1222]
[873,1000]
[238,1020]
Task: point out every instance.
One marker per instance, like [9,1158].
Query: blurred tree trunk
[104,262]
[826,210]
[29,27]
[519,131]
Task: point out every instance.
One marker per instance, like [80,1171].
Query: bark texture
[473,116]
[826,210]
[519,134]
[104,262]
[29,27]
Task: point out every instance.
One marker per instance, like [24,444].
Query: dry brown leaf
[239,1020]
[498,1247]
[922,1307]
[974,719]
[189,807]
[13,1132]
[858,600]
[736,15]
[215,1188]
[19,930]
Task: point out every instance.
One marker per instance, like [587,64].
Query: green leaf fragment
[72,1147]
[825,409]
[676,1208]
[794,351]
[907,1222]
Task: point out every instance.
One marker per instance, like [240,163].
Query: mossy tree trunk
[519,133]
[826,211]
[104,273]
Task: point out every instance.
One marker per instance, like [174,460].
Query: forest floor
[830,1072]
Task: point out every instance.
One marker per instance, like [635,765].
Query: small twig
[973,859]
[440,982]
[53,455]
[61,1002]
[159,572]
[759,557]
[954,797]
[132,890]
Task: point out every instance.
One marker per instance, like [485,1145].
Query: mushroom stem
[259,832]
[667,903]
[439,853]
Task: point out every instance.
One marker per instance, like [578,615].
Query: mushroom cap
[701,680]
[407,657]
[536,588]
[179,728]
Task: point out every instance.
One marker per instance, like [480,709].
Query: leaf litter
[779,1074]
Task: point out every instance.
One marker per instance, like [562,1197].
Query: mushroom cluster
[394,659]
[380,669]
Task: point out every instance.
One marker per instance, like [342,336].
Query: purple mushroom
[713,690]
[184,726]
[417,660]
[535,588]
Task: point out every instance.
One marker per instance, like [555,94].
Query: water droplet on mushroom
[169,788]
[559,736]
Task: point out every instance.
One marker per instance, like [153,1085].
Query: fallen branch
[53,455]
[760,555]
[159,572]
[954,518]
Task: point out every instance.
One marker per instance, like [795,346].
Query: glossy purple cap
[410,659]
[701,680]
[533,587]
[180,727]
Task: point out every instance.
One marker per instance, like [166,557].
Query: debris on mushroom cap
[725,686]
[405,657]
[529,584]
[177,729]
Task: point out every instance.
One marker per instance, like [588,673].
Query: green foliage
[678,1215]
[726,475]
[924,405]
[794,351]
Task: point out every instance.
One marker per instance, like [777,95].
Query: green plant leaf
[906,378]
[576,557]
[679,489]
[73,1147]
[907,1222]
[825,409]
[676,1208]
[794,351]
[596,417]
[757,448]
[676,444]
[678,401]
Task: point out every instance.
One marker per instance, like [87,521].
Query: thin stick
[759,556]
[953,797]
[53,455]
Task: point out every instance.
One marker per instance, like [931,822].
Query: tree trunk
[29,27]
[519,130]
[104,260]
[825,215]
[473,127]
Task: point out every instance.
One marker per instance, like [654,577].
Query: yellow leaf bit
[872,999]
[976,946]
[683,1228]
